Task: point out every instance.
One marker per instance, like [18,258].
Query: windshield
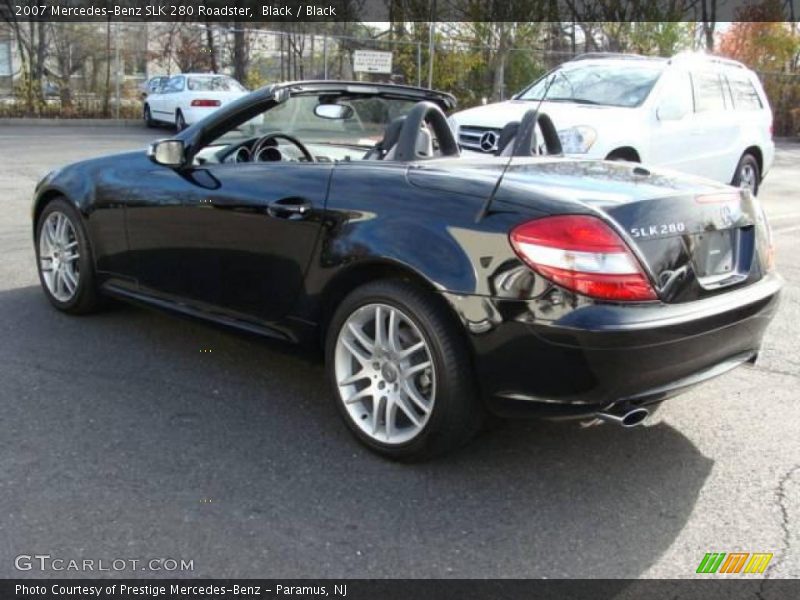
[214,84]
[364,126]
[617,84]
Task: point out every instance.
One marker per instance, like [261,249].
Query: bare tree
[709,22]
[211,47]
[107,87]
[70,47]
[241,54]
[31,41]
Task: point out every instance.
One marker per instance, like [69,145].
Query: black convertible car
[441,287]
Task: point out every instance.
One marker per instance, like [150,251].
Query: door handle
[293,209]
[228,203]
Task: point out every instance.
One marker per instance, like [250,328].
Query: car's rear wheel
[148,117]
[64,259]
[180,122]
[400,372]
[748,175]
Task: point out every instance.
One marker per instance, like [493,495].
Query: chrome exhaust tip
[632,418]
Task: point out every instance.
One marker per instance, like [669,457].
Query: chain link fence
[99,69]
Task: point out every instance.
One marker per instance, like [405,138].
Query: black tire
[747,167]
[86,298]
[457,414]
[180,122]
[148,118]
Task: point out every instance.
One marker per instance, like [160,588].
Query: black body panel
[208,241]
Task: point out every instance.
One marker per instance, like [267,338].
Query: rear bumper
[599,355]
[194,114]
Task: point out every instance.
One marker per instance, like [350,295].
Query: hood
[564,114]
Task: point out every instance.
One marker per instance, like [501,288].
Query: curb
[72,122]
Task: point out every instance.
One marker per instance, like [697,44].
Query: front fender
[67,183]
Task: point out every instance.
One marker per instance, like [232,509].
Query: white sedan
[189,97]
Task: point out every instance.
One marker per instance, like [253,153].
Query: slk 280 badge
[658,230]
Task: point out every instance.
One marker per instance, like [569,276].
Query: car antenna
[487,205]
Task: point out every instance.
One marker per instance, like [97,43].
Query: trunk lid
[694,237]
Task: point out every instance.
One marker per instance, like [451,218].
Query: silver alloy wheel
[385,373]
[58,256]
[747,177]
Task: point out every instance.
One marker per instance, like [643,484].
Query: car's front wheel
[148,117]
[400,371]
[64,259]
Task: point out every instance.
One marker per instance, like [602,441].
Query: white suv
[694,113]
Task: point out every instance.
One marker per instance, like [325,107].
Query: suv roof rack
[619,55]
[712,58]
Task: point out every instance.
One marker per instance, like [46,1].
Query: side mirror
[671,110]
[169,153]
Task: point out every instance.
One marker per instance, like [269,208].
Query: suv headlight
[577,140]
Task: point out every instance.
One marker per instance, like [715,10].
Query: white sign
[371,61]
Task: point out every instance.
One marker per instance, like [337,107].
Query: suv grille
[480,139]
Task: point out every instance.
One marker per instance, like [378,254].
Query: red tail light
[582,254]
[205,102]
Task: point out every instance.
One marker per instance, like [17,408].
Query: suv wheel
[400,372]
[747,174]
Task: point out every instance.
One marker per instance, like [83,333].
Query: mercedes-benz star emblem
[489,141]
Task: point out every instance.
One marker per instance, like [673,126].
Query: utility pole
[419,64]
[431,51]
[117,70]
[325,57]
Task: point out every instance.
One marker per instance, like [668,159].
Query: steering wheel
[262,142]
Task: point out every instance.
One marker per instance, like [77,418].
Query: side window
[175,84]
[745,96]
[708,93]
[681,88]
[157,84]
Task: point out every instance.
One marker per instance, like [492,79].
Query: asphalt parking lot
[120,439]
